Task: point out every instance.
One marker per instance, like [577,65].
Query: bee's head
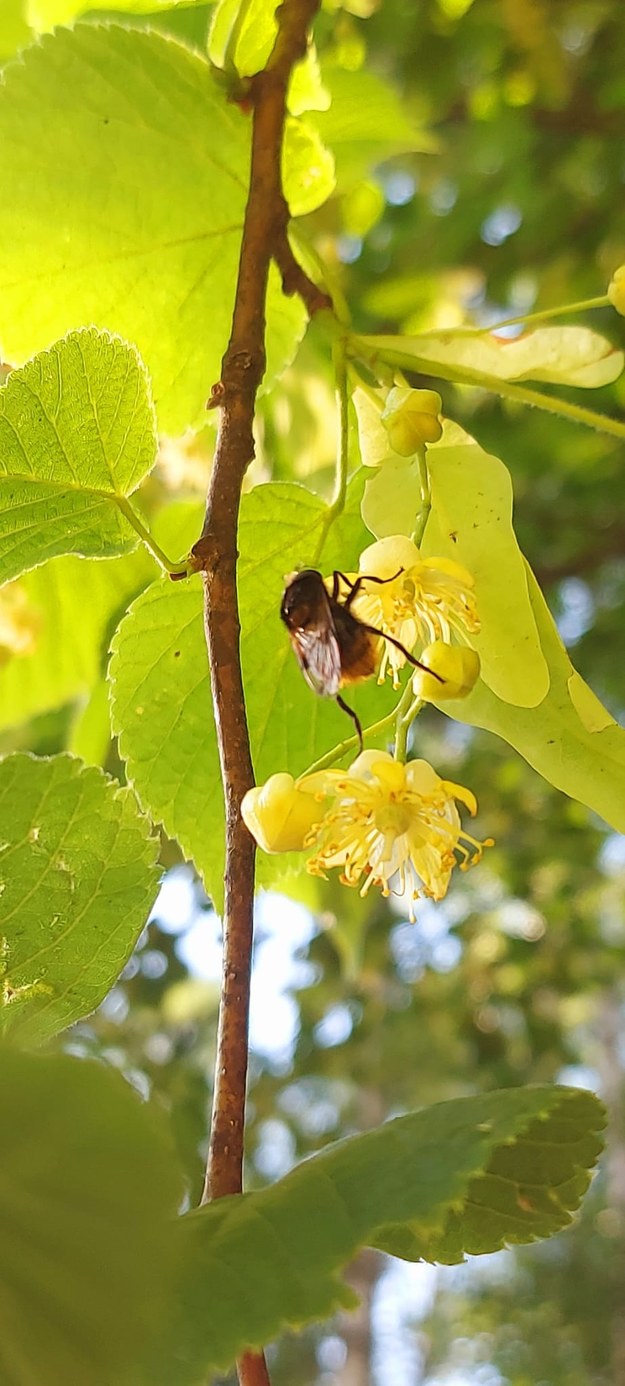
[300,598]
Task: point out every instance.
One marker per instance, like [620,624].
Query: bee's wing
[319,655]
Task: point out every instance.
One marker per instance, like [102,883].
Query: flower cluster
[382,822]
[378,822]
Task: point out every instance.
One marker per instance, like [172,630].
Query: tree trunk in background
[355,1328]
[611,1035]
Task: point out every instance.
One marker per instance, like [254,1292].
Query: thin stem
[337,504]
[351,742]
[426,499]
[174,569]
[402,724]
[264,237]
[544,314]
[413,711]
[234,36]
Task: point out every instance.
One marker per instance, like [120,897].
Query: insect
[332,645]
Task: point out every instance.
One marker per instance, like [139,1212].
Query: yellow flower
[390,821]
[279,814]
[411,418]
[458,665]
[427,599]
[19,623]
[616,290]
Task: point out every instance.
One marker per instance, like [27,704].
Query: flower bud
[616,290]
[458,665]
[389,556]
[410,418]
[279,814]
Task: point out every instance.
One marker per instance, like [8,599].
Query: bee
[332,645]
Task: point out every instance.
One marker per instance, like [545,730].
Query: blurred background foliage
[518,204]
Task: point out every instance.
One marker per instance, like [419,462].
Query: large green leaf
[123,185]
[467,1176]
[88,1191]
[14,27]
[570,738]
[471,521]
[78,871]
[44,14]
[77,436]
[50,653]
[365,123]
[161,703]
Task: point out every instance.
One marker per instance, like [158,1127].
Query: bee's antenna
[355,719]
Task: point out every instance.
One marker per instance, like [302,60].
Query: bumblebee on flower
[381,822]
[421,599]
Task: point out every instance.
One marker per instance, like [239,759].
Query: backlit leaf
[464,1176]
[161,704]
[78,876]
[569,738]
[87,1198]
[471,522]
[77,435]
[62,654]
[123,178]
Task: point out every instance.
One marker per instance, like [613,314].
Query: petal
[388,556]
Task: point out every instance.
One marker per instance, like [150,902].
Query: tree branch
[264,235]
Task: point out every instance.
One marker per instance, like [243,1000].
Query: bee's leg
[355,719]
[398,646]
[354,587]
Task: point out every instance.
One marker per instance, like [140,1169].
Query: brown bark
[264,237]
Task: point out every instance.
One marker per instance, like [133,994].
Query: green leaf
[14,27]
[77,435]
[78,877]
[123,186]
[161,706]
[558,355]
[366,123]
[471,522]
[392,498]
[570,739]
[307,168]
[464,1176]
[49,654]
[44,14]
[90,733]
[243,32]
[88,1191]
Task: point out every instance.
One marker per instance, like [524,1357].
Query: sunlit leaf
[366,123]
[244,34]
[90,114]
[569,738]
[307,168]
[78,877]
[64,656]
[87,1197]
[14,27]
[77,435]
[464,1176]
[557,355]
[161,703]
[471,522]
[44,14]
[392,498]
